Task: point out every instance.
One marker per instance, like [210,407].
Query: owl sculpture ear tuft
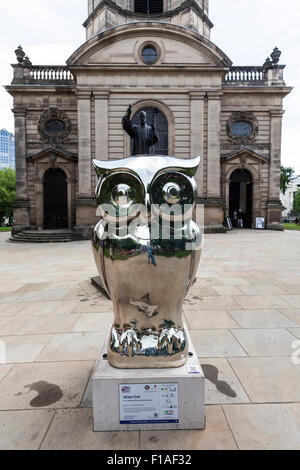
[100,167]
[189,167]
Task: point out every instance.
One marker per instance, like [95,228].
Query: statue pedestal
[149,399]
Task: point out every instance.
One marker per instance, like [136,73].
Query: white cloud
[246,30]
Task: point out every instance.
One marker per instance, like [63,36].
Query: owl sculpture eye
[172,193]
[172,188]
[123,192]
[122,195]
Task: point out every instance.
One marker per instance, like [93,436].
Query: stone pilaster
[21,204]
[274,221]
[85,202]
[101,125]
[213,145]
[214,213]
[197,134]
[85,145]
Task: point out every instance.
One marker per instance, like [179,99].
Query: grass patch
[5,229]
[291,227]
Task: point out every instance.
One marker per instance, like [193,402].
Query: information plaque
[149,403]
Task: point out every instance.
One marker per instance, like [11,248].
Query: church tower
[104,14]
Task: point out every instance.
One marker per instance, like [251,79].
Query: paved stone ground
[244,316]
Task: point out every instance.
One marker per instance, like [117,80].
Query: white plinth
[106,394]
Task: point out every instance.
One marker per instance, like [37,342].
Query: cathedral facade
[155,55]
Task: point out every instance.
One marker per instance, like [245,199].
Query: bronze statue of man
[143,137]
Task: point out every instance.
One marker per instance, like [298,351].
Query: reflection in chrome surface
[146,273]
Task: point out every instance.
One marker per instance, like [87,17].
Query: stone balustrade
[50,74]
[246,74]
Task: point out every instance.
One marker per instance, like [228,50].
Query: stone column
[101,125]
[21,204]
[274,221]
[84,140]
[214,206]
[39,203]
[85,202]
[214,146]
[197,134]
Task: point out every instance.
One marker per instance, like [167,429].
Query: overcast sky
[246,30]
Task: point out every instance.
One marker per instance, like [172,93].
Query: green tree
[285,178]
[7,192]
[296,205]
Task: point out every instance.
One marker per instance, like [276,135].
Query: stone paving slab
[222,385]
[216,343]
[73,430]
[45,385]
[23,430]
[4,369]
[295,332]
[275,342]
[268,379]
[210,320]
[261,319]
[73,347]
[244,318]
[217,436]
[265,427]
[24,348]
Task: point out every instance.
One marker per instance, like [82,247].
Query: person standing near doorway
[235,219]
[240,219]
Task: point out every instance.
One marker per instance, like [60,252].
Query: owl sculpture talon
[130,342]
[173,340]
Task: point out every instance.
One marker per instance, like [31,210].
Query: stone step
[29,240]
[43,237]
[49,237]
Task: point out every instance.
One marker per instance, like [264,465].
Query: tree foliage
[7,192]
[285,178]
[296,205]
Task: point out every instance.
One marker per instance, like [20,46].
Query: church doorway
[241,196]
[161,122]
[55,200]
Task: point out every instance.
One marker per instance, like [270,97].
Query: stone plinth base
[190,388]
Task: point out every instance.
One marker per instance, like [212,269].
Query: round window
[149,54]
[55,126]
[241,129]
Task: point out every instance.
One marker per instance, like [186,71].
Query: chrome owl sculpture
[147,248]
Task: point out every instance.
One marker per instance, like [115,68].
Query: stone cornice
[214,95]
[31,88]
[277,113]
[53,150]
[142,68]
[100,95]
[197,95]
[245,151]
[20,112]
[246,88]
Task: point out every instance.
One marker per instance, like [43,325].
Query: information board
[260,223]
[149,403]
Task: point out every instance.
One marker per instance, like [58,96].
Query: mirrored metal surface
[146,265]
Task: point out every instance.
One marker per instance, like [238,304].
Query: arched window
[161,122]
[149,7]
